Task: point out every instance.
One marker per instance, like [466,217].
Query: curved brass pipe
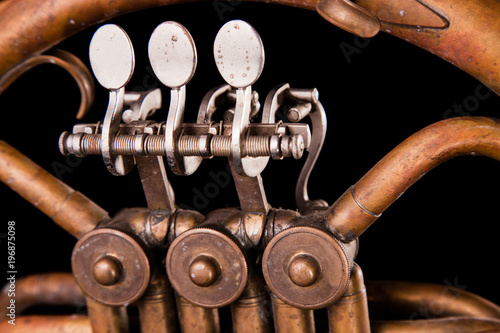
[71,63]
[52,324]
[466,33]
[70,209]
[448,325]
[364,202]
[50,289]
[397,298]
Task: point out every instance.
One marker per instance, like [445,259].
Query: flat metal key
[112,60]
[239,56]
[173,57]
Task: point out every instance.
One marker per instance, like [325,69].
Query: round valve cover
[207,267]
[111,267]
[306,267]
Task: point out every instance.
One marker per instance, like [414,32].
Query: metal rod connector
[82,144]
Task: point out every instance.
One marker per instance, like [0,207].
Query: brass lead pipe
[448,325]
[288,319]
[70,209]
[47,289]
[44,324]
[397,298]
[350,313]
[363,203]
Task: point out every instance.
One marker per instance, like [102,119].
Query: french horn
[230,219]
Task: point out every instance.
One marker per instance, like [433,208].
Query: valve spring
[220,145]
[188,145]
[257,146]
[91,144]
[124,145]
[154,145]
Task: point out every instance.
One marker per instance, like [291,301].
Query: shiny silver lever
[112,60]
[173,56]
[239,56]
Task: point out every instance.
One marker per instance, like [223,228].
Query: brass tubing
[363,203]
[72,64]
[157,312]
[107,319]
[252,312]
[350,313]
[440,325]
[465,33]
[407,298]
[71,210]
[195,319]
[46,289]
[288,319]
[44,324]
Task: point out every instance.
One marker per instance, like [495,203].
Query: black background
[442,230]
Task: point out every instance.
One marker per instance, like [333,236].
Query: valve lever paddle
[173,56]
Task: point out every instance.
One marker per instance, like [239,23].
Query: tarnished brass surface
[157,313]
[464,33]
[252,312]
[107,319]
[193,318]
[360,206]
[297,265]
[404,298]
[350,313]
[53,324]
[290,319]
[448,325]
[349,16]
[42,289]
[204,274]
[71,210]
[111,267]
